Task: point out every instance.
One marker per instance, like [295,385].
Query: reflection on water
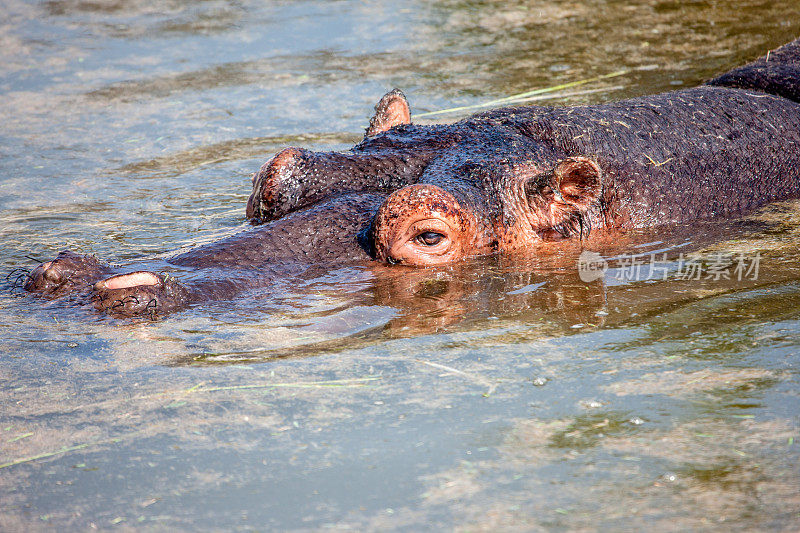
[497,393]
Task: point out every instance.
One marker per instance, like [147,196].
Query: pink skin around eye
[409,248]
[422,225]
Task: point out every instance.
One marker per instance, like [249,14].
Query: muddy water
[502,393]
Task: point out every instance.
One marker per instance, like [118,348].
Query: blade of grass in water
[63,450]
[523,96]
[569,94]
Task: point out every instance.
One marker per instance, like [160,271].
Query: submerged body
[505,180]
[257,257]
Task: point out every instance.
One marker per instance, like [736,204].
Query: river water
[495,394]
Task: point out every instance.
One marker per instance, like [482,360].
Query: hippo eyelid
[429,238]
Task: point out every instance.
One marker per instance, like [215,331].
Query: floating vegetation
[60,451]
[528,96]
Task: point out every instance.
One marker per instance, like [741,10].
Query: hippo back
[776,73]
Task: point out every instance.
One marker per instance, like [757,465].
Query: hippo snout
[274,184]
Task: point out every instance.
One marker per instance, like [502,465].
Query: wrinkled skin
[512,179]
[503,181]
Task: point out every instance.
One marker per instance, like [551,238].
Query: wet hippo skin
[512,178]
[502,181]
[330,233]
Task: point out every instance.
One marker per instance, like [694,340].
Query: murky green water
[496,394]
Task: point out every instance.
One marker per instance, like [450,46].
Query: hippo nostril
[51,273]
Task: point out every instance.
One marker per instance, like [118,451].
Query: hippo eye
[429,238]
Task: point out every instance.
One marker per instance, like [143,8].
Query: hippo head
[471,188]
[484,208]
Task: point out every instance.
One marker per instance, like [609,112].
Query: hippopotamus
[509,180]
[321,237]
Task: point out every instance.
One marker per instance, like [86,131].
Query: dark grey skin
[507,180]
[513,179]
[320,237]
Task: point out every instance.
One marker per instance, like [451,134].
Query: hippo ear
[579,180]
[391,111]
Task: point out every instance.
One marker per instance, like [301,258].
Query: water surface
[495,394]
